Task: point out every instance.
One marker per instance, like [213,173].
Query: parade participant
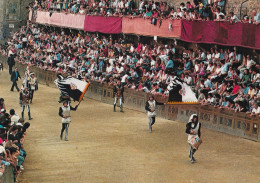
[150,107]
[24,101]
[32,81]
[64,112]
[11,63]
[193,131]
[118,94]
[14,78]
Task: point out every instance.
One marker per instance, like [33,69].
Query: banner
[61,19]
[72,87]
[141,26]
[107,25]
[224,33]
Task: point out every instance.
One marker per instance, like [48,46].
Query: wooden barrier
[239,124]
[8,176]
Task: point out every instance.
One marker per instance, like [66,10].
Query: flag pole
[83,93]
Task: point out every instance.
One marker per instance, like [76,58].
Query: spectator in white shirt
[256,110]
[233,18]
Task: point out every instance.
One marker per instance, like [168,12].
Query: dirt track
[107,147]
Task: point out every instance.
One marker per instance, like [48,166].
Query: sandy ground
[108,147]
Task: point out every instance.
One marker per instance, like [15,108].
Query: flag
[180,92]
[26,76]
[71,87]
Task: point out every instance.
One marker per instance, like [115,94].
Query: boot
[29,115]
[114,108]
[61,135]
[23,115]
[150,128]
[121,108]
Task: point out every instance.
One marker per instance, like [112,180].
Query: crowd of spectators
[224,78]
[12,136]
[190,10]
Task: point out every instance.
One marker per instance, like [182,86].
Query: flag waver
[180,93]
[72,87]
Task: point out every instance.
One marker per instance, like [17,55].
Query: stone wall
[13,13]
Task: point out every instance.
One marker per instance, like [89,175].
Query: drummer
[193,130]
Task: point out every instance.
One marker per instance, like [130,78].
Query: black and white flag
[71,87]
[180,92]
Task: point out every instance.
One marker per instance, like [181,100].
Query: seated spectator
[233,18]
[14,117]
[256,110]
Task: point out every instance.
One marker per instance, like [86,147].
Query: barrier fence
[239,124]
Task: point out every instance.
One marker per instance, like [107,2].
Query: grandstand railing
[8,176]
[235,123]
[212,32]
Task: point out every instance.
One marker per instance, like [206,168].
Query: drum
[195,142]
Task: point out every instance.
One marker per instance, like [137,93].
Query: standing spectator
[14,78]
[11,63]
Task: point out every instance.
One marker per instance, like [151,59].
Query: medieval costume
[150,107]
[32,82]
[193,131]
[24,101]
[64,112]
[118,94]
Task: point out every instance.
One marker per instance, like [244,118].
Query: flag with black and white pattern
[71,87]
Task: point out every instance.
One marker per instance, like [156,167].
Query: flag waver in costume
[72,87]
[180,92]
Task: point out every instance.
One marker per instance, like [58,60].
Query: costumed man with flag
[180,92]
[118,94]
[75,89]
[64,112]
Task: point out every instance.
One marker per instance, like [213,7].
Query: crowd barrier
[239,124]
[8,176]
[223,33]
[163,28]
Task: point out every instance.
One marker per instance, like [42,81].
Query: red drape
[144,27]
[107,25]
[61,19]
[224,33]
